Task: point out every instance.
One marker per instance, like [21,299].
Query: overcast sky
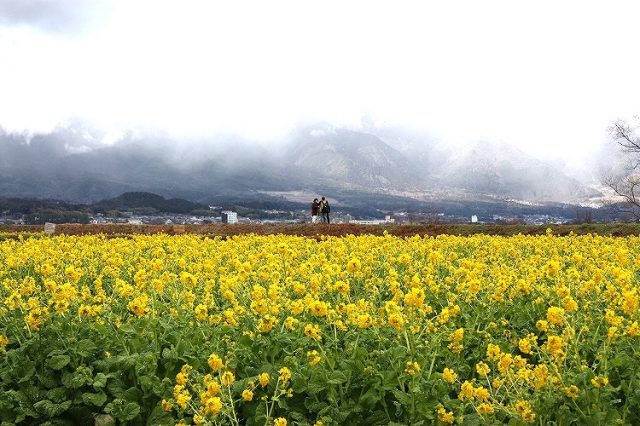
[547,76]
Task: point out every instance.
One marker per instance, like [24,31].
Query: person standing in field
[315,209]
[325,208]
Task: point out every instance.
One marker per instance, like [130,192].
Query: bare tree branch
[626,184]
[626,188]
[624,135]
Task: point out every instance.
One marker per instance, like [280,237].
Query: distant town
[232,217]
[151,209]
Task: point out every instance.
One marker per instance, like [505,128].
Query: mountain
[488,168]
[348,159]
[128,201]
[148,201]
[39,211]
[43,167]
[73,164]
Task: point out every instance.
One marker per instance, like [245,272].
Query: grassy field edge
[614,229]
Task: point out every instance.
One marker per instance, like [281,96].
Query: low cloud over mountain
[73,164]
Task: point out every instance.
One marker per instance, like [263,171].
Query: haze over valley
[73,164]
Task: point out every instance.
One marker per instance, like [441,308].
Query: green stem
[433,361]
[273,400]
[406,337]
[233,408]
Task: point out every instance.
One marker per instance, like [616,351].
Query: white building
[387,219]
[368,222]
[229,217]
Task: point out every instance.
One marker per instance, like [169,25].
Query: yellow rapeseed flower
[227,378]
[264,379]
[247,395]
[572,391]
[448,375]
[4,341]
[412,368]
[482,368]
[313,331]
[285,374]
[484,409]
[445,416]
[215,362]
[555,315]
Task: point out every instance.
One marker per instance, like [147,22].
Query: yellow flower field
[284,330]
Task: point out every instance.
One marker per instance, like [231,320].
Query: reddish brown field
[335,230]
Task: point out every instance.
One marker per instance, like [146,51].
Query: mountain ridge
[72,166]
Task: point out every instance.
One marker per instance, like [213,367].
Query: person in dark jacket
[315,209]
[325,208]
